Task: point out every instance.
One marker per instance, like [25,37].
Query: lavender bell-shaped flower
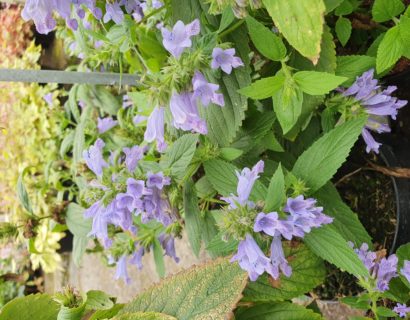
[157,180]
[367,257]
[179,38]
[114,13]
[387,269]
[155,129]
[402,310]
[225,59]
[132,156]
[251,258]
[246,180]
[185,113]
[136,258]
[101,218]
[377,103]
[271,225]
[205,91]
[94,158]
[278,260]
[121,271]
[168,244]
[41,12]
[106,124]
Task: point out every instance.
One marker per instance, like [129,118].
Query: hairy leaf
[317,83]
[39,306]
[390,50]
[276,191]
[263,88]
[384,10]
[343,30]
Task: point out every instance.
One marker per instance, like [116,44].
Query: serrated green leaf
[71,313]
[179,155]
[209,291]
[227,18]
[403,253]
[345,220]
[67,143]
[276,191]
[295,18]
[263,88]
[308,271]
[79,247]
[230,154]
[192,217]
[384,10]
[319,163]
[344,9]
[106,314]
[390,50]
[144,316]
[343,30]
[277,311]
[317,83]
[328,244]
[267,43]
[360,302]
[353,66]
[158,258]
[39,306]
[75,220]
[404,27]
[218,247]
[224,123]
[287,104]
[398,290]
[385,312]
[98,300]
[23,194]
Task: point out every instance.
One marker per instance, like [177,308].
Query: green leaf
[295,18]
[332,4]
[267,43]
[224,123]
[330,246]
[98,300]
[403,253]
[263,88]
[67,143]
[398,290]
[71,313]
[390,50]
[106,314]
[39,306]
[345,220]
[384,10]
[210,291]
[222,176]
[385,312]
[277,311]
[343,30]
[144,316]
[308,272]
[287,104]
[404,27]
[179,155]
[230,154]
[75,220]
[353,66]
[159,258]
[227,18]
[79,247]
[218,247]
[360,302]
[344,9]
[23,194]
[317,83]
[319,163]
[276,191]
[192,217]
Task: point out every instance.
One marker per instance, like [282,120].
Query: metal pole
[67,77]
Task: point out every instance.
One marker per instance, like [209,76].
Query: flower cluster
[184,105]
[303,215]
[41,11]
[378,104]
[144,197]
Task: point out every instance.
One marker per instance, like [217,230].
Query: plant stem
[152,13]
[231,29]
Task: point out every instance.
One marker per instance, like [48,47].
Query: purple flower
[157,180]
[401,310]
[367,257]
[136,257]
[278,259]
[155,129]
[101,219]
[94,158]
[246,180]
[205,91]
[106,124]
[225,59]
[251,259]
[138,119]
[179,38]
[185,113]
[386,270]
[168,244]
[157,207]
[126,101]
[114,13]
[41,12]
[133,156]
[405,271]
[378,103]
[48,98]
[271,225]
[121,271]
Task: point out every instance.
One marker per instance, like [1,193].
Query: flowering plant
[231,135]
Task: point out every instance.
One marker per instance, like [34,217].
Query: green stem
[152,13]
[374,307]
[231,29]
